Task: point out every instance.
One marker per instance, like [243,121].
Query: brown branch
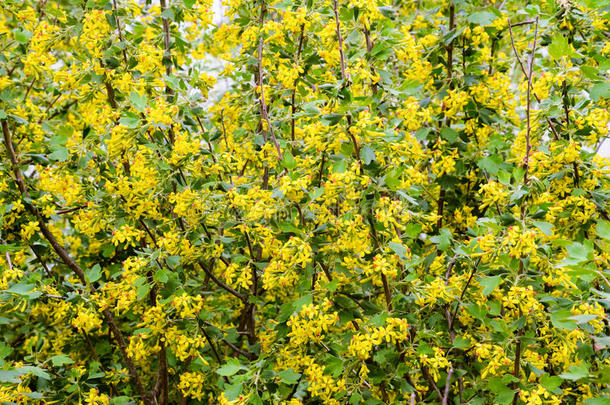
[118,26]
[447,386]
[222,285]
[439,210]
[224,130]
[517,366]
[207,337]
[248,355]
[263,105]
[450,46]
[69,262]
[340,38]
[166,40]
[161,385]
[457,307]
[25,96]
[386,291]
[168,68]
[426,373]
[386,286]
[321,168]
[529,91]
[42,262]
[527,76]
[110,93]
[369,48]
[326,271]
[63,110]
[442,193]
[69,210]
[292,97]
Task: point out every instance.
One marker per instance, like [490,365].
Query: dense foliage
[393,202]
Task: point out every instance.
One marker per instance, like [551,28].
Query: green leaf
[367,154]
[287,227]
[331,119]
[559,47]
[545,227]
[503,394]
[603,229]
[171,82]
[331,285]
[25,290]
[142,291]
[334,365]
[491,164]
[168,13]
[37,371]
[399,249]
[378,320]
[482,18]
[289,376]
[60,360]
[412,230]
[232,392]
[355,399]
[5,350]
[601,342]
[10,248]
[289,161]
[302,301]
[449,134]
[22,36]
[173,261]
[161,275]
[444,239]
[255,399]
[576,372]
[188,4]
[340,166]
[550,383]
[392,178]
[561,320]
[578,253]
[461,343]
[228,369]
[422,133]
[599,90]
[10,376]
[598,401]
[60,154]
[130,122]
[581,319]
[122,400]
[316,193]
[94,273]
[138,101]
[490,284]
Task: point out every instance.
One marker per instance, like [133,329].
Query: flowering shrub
[394,202]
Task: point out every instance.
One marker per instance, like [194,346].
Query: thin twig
[529,91]
[447,386]
[457,307]
[293,96]
[338,29]
[222,285]
[25,97]
[118,26]
[263,105]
